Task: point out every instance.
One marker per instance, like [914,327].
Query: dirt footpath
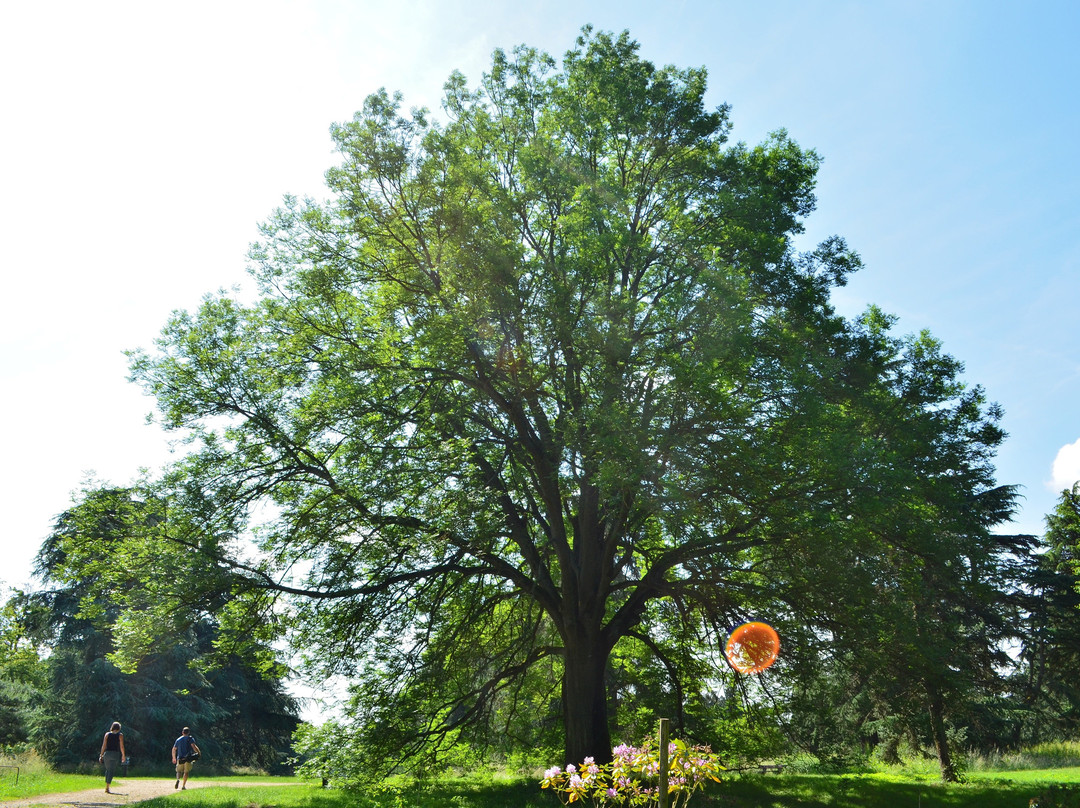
[124,790]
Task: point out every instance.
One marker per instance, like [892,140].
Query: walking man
[184,751]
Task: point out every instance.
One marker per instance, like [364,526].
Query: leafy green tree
[1046,688]
[21,673]
[243,716]
[914,628]
[1063,533]
[537,381]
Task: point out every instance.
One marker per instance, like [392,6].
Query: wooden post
[663,784]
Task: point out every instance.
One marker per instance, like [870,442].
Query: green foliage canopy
[103,562]
[531,373]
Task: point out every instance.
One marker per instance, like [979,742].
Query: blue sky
[141,143]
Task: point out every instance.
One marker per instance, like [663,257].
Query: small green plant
[632,777]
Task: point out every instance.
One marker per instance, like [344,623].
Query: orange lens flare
[752,647]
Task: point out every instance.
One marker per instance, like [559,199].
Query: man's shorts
[183,768]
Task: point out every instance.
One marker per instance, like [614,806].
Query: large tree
[537,379]
[909,630]
[1046,686]
[101,561]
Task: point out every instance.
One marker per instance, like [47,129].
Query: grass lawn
[455,793]
[1008,790]
[35,780]
[984,789]
[1069,775]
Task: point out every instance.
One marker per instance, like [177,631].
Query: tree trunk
[941,741]
[584,702]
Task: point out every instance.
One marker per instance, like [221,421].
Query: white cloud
[1066,469]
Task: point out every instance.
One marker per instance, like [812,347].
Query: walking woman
[112,752]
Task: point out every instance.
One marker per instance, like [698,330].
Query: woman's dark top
[112,741]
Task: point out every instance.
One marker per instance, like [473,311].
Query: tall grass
[1056,755]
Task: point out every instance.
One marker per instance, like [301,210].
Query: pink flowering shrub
[632,777]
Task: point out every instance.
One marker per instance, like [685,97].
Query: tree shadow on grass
[444,793]
[810,791]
